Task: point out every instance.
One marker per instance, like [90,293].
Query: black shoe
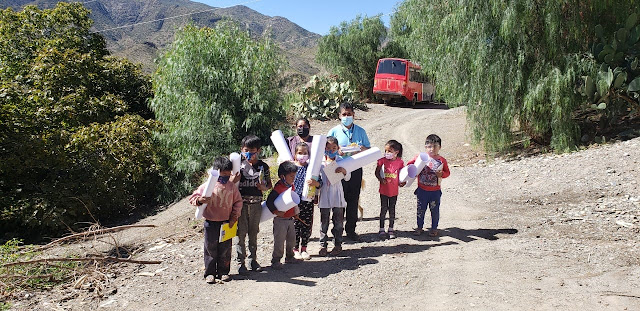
[353,237]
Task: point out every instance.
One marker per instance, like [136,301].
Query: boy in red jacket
[429,178]
[283,224]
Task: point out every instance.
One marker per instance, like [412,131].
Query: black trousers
[217,256]
[352,196]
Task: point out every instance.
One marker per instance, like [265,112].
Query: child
[332,200]
[253,180]
[304,222]
[428,191]
[392,163]
[225,204]
[283,227]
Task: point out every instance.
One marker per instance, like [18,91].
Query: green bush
[213,87]
[73,137]
[321,98]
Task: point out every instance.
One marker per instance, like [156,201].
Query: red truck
[401,80]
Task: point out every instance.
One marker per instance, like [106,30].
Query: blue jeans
[431,200]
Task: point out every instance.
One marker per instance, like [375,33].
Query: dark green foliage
[72,139]
[212,88]
[517,65]
[352,51]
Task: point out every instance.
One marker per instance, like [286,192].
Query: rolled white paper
[235,159]
[266,213]
[421,161]
[361,159]
[284,154]
[409,182]
[408,172]
[208,191]
[284,202]
[315,163]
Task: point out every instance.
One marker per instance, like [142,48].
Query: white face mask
[302,158]
[389,155]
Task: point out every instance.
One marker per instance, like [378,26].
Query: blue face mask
[346,121]
[331,154]
[248,155]
[223,179]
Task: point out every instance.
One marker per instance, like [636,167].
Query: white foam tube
[284,202]
[208,190]
[235,159]
[361,159]
[409,182]
[284,154]
[315,163]
[421,161]
[408,172]
[266,213]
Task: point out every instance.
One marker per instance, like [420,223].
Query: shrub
[321,98]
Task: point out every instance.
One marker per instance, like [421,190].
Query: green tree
[72,137]
[515,64]
[352,51]
[213,87]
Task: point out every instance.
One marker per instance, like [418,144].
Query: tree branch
[86,234]
[109,258]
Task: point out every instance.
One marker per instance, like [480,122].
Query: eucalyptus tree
[516,64]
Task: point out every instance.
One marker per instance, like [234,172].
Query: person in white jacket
[331,200]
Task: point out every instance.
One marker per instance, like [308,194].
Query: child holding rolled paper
[331,201]
[252,179]
[428,191]
[224,205]
[284,233]
[391,164]
[304,222]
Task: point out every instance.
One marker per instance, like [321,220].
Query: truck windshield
[392,66]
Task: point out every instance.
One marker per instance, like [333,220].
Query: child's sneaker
[336,250]
[276,266]
[381,234]
[210,279]
[297,255]
[322,252]
[392,234]
[305,255]
[433,233]
[242,270]
[418,231]
[225,278]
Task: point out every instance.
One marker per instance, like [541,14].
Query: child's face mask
[331,154]
[223,179]
[248,155]
[302,158]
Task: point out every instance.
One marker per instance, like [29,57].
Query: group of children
[292,228]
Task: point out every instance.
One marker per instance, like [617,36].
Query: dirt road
[550,232]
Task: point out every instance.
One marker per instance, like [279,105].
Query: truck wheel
[413,101]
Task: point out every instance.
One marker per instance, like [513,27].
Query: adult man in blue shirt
[348,133]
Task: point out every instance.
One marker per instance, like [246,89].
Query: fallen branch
[45,260]
[86,234]
[26,277]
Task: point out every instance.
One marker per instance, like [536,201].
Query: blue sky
[315,16]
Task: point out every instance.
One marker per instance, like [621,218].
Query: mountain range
[140,29]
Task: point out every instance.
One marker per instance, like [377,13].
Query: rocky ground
[546,232]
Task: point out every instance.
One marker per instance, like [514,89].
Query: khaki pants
[248,224]
[283,231]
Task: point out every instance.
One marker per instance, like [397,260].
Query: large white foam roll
[408,172]
[284,154]
[315,163]
[266,213]
[286,200]
[235,159]
[421,161]
[361,159]
[208,191]
[409,182]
